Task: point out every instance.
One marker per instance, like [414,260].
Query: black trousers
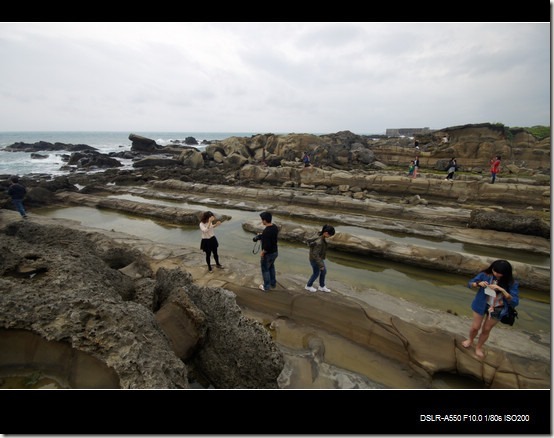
[209,246]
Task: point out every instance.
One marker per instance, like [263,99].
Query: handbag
[510,317]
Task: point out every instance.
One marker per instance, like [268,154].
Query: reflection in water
[438,290]
[30,379]
[455,381]
[29,361]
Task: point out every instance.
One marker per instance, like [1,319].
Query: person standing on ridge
[495,168]
[269,252]
[451,168]
[416,166]
[17,192]
[318,251]
[209,243]
[306,160]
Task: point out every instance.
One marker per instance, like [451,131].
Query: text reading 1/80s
[474,417]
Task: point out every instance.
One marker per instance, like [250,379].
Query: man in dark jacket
[17,192]
[269,252]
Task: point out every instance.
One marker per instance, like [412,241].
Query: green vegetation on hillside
[540,132]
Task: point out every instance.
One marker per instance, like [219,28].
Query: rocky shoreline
[176,326]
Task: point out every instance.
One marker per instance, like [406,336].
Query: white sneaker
[310,288]
[323,289]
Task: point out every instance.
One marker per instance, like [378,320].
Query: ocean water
[21,163]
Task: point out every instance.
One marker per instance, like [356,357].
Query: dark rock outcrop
[46,146]
[143,145]
[92,160]
[509,222]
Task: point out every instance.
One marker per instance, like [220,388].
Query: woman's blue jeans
[267,263]
[317,272]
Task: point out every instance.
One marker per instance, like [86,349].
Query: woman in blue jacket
[497,290]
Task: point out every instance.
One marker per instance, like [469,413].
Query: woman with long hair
[497,289]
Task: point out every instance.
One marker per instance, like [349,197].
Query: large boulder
[143,145]
[236,352]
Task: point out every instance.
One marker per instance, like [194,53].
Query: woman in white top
[209,242]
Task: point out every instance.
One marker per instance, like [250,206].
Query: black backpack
[510,317]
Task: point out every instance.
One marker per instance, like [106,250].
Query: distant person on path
[416,166]
[318,250]
[209,243]
[17,192]
[269,251]
[411,168]
[496,289]
[451,168]
[306,160]
[495,168]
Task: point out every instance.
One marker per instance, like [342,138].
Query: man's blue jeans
[18,204]
[267,263]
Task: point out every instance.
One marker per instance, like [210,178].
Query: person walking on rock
[416,166]
[17,192]
[451,169]
[495,168]
[497,289]
[307,161]
[269,252]
[209,243]
[318,250]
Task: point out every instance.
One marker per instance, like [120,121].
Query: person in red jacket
[495,168]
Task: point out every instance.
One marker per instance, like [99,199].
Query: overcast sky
[272,77]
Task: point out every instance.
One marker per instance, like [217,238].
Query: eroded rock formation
[79,289]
